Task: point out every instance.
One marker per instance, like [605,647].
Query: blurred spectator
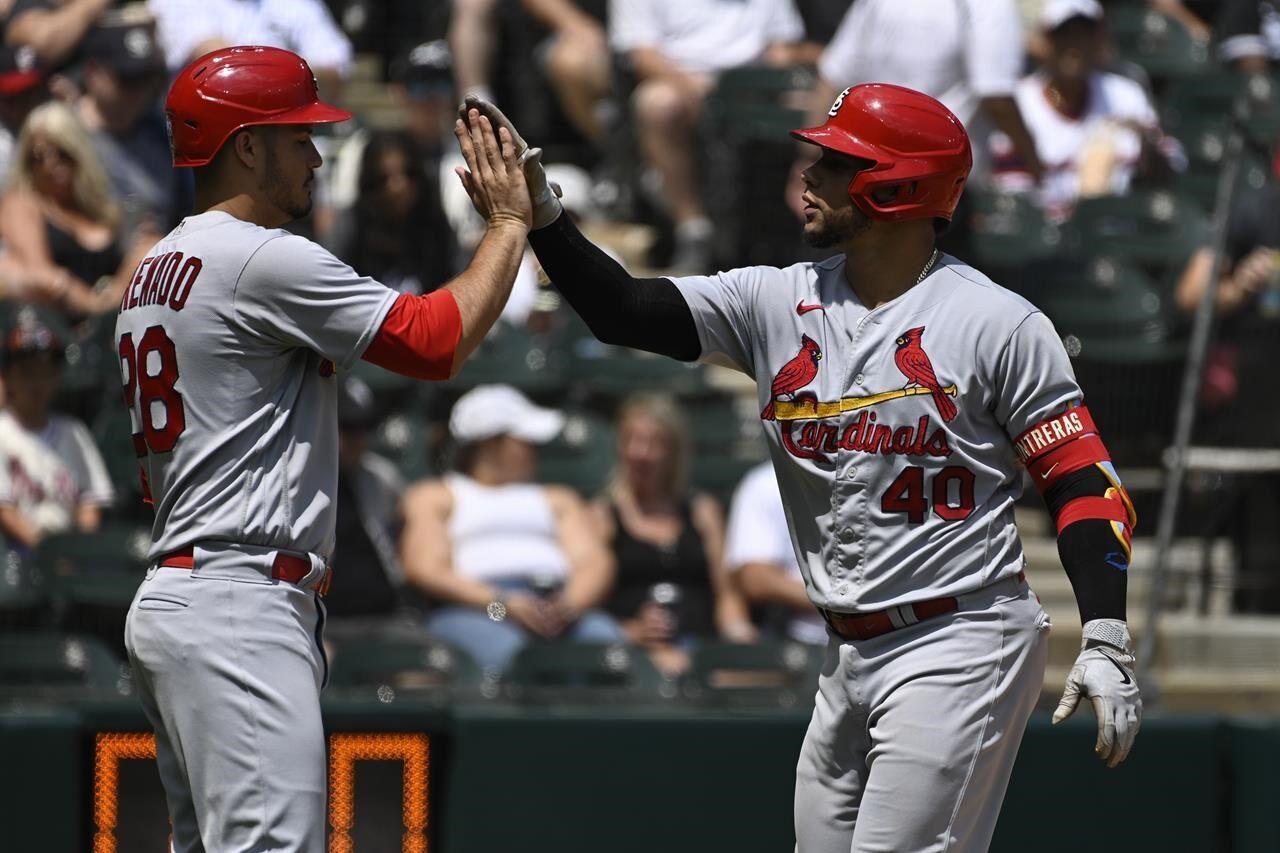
[58,222]
[1239,407]
[1249,33]
[22,89]
[397,231]
[367,577]
[676,48]
[52,477]
[762,560]
[668,542]
[577,61]
[52,28]
[124,74]
[192,28]
[966,53]
[473,40]
[508,560]
[1093,129]
[1192,14]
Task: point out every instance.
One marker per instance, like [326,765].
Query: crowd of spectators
[623,94]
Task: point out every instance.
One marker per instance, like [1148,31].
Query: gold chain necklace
[924,272]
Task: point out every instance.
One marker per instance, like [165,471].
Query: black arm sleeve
[1094,559]
[641,313]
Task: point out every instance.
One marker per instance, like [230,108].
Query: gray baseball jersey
[890,428]
[228,338]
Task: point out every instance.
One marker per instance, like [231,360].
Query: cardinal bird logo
[914,363]
[795,374]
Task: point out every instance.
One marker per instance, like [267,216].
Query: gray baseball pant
[229,667]
[914,734]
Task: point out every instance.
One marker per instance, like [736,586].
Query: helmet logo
[835,108]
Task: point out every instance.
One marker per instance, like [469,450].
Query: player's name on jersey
[864,435]
[164,279]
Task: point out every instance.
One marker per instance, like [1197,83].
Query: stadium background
[585,749]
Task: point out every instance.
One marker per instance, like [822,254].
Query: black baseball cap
[425,69]
[31,338]
[125,42]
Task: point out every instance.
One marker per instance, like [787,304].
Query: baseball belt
[865,626]
[285,567]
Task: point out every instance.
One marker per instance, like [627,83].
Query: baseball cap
[492,410]
[1058,12]
[425,69]
[31,338]
[125,42]
[19,71]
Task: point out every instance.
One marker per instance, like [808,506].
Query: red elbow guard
[419,336]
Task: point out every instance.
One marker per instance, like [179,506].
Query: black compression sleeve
[1094,559]
[642,313]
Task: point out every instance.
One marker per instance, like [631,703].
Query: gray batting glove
[544,194]
[1103,673]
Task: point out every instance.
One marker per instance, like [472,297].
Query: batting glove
[544,194]
[1103,673]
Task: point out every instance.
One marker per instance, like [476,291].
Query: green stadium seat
[726,442]
[1161,45]
[93,577]
[756,102]
[515,357]
[380,381]
[1009,229]
[113,433]
[582,456]
[768,674]
[404,438]
[384,667]
[561,671]
[53,666]
[1153,229]
[24,601]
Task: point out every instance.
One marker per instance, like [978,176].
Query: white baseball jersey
[228,338]
[890,428]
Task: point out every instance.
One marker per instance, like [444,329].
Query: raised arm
[642,313]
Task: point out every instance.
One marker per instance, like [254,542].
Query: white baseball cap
[1058,12]
[491,410]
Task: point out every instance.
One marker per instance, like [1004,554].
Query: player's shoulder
[1120,92]
[978,292]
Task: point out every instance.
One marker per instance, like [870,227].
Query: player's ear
[249,146]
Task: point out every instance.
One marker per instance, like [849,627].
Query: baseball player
[229,338]
[903,394]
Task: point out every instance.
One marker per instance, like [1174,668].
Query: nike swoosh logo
[1046,474]
[1116,560]
[1117,665]
[803,309]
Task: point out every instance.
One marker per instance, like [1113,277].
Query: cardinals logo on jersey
[794,375]
[914,363]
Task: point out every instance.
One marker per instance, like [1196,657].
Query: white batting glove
[1103,673]
[544,194]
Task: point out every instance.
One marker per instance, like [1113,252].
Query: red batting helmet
[238,87]
[914,143]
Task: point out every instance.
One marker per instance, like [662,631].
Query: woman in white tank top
[507,559]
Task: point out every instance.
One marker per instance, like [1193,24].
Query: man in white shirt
[966,53]
[1093,129]
[676,48]
[52,477]
[192,28]
[759,553]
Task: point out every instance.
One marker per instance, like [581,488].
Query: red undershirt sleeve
[419,336]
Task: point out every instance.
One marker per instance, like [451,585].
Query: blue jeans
[493,644]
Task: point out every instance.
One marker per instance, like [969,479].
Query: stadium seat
[769,674]
[23,598]
[92,578]
[53,666]
[384,667]
[757,102]
[404,438]
[1161,45]
[514,357]
[1009,229]
[113,433]
[561,671]
[581,456]
[1157,230]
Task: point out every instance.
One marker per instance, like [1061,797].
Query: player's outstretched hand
[1103,674]
[545,194]
[493,179]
